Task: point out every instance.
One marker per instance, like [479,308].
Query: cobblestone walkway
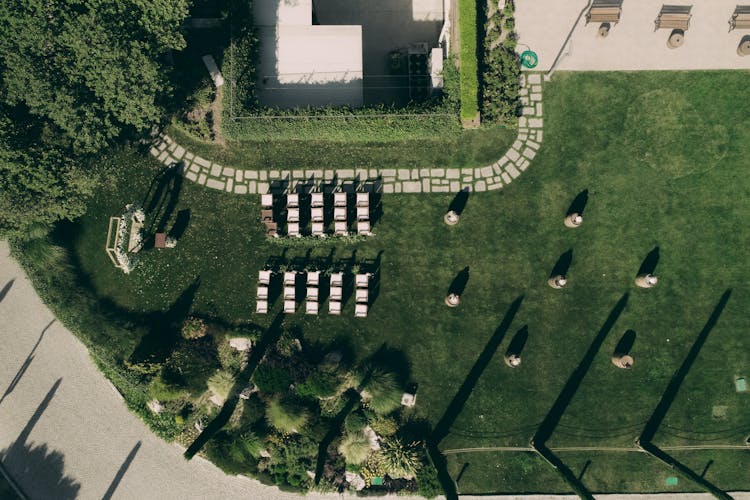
[416,180]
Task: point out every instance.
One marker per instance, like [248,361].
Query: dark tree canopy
[91,67]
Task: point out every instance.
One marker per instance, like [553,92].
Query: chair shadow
[648,266]
[458,285]
[645,440]
[552,419]
[579,203]
[518,342]
[563,264]
[625,343]
[458,204]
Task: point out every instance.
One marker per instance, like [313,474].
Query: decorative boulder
[240,343]
[155,406]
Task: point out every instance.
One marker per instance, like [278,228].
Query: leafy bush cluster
[500,67]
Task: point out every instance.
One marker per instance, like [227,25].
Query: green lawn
[664,158]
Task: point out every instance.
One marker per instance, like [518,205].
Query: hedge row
[501,68]
[467,26]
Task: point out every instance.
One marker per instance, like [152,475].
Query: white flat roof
[310,65]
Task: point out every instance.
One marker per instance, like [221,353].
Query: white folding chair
[313,278]
[361,280]
[363,213]
[340,228]
[362,295]
[290,306]
[316,214]
[316,200]
[336,293]
[334,307]
[363,199]
[266,200]
[339,214]
[360,311]
[261,307]
[262,292]
[292,200]
[264,277]
[293,229]
[363,227]
[292,215]
[289,292]
[311,307]
[290,278]
[317,229]
[339,199]
[337,279]
[312,293]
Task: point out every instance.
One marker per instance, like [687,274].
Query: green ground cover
[462,149]
[469,66]
[662,156]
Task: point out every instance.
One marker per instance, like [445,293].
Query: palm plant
[285,415]
[382,390]
[355,447]
[221,384]
[401,459]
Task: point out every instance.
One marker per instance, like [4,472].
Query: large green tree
[39,183]
[91,67]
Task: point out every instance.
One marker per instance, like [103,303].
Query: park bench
[740,18]
[604,11]
[675,17]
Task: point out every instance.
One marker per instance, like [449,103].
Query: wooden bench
[740,18]
[675,17]
[602,14]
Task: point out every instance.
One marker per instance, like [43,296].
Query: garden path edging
[402,180]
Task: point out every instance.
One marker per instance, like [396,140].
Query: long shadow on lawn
[269,338]
[550,422]
[645,441]
[459,400]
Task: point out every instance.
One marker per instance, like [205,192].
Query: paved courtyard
[632,44]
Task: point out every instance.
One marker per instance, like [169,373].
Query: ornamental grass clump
[221,384]
[401,459]
[285,415]
[355,447]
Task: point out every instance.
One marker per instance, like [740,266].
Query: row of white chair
[312,293]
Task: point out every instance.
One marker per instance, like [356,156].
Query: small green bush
[190,365]
[193,328]
[320,384]
[355,422]
[384,391]
[221,384]
[162,391]
[428,484]
[286,415]
[270,379]
[501,68]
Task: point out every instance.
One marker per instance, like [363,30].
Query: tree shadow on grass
[442,428]
[164,331]
[648,266]
[458,285]
[563,264]
[269,338]
[579,203]
[550,422]
[645,440]
[458,204]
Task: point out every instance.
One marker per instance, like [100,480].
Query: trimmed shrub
[285,415]
[270,379]
[428,484]
[320,384]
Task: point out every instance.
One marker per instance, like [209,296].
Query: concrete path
[544,26]
[65,432]
[393,180]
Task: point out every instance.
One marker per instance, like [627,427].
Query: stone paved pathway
[403,180]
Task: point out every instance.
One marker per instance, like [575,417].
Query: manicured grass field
[664,159]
